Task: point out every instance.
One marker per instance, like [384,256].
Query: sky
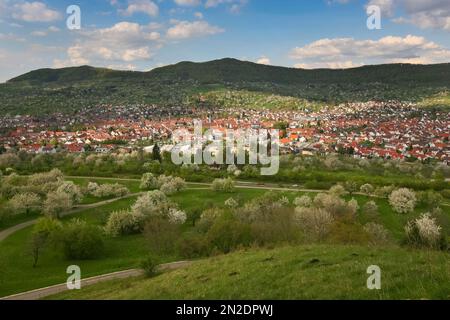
[145,34]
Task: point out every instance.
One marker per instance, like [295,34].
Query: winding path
[239,185]
[52,290]
[7,232]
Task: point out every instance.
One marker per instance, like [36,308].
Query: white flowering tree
[92,187]
[57,203]
[25,203]
[367,188]
[303,201]
[123,222]
[176,216]
[149,181]
[153,203]
[424,231]
[110,190]
[403,200]
[370,208]
[171,185]
[315,222]
[224,185]
[231,203]
[337,190]
[72,190]
[353,206]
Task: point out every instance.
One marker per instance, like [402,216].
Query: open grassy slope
[301,272]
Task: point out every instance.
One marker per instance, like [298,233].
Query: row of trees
[48,193]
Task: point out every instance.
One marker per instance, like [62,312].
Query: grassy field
[301,272]
[121,253]
[126,252]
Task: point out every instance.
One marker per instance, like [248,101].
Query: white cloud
[387,6]
[186,30]
[348,52]
[188,3]
[39,33]
[123,42]
[34,12]
[198,15]
[11,37]
[53,29]
[140,6]
[264,60]
[424,14]
[235,6]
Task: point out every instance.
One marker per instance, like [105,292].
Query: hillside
[70,89]
[304,272]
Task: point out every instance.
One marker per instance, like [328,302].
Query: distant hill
[69,89]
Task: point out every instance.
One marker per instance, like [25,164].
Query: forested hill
[69,89]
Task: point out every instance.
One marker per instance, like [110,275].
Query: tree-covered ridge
[70,89]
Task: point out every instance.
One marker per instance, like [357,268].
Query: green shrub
[150,265]
[193,246]
[161,234]
[227,234]
[123,222]
[80,240]
[348,232]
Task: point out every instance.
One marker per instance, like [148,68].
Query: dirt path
[7,232]
[240,185]
[52,290]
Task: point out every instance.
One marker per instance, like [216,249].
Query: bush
[337,190]
[72,190]
[261,207]
[176,216]
[351,187]
[278,227]
[348,232]
[161,235]
[403,200]
[5,214]
[153,203]
[57,203]
[227,234]
[353,207]
[149,181]
[123,222]
[150,266]
[378,234]
[384,192]
[108,190]
[223,185]
[303,201]
[430,199]
[370,209]
[334,205]
[193,246]
[25,203]
[425,232]
[314,222]
[367,189]
[81,241]
[231,203]
[208,217]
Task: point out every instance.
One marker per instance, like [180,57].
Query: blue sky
[144,34]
